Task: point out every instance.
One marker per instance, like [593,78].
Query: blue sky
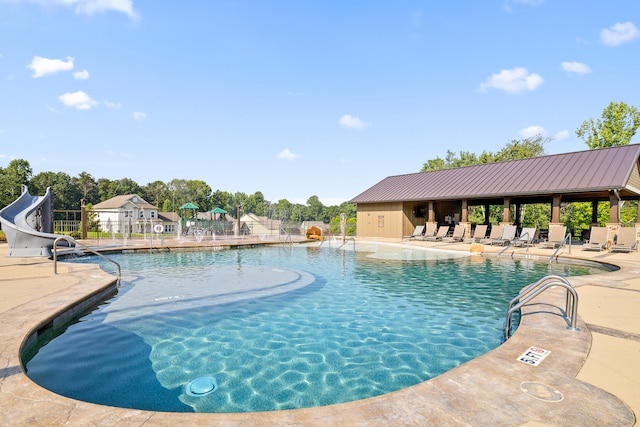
[296,98]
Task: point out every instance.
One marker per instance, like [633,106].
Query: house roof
[587,174]
[118,202]
[168,216]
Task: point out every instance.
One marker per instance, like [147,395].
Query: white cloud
[575,67]
[532,131]
[81,75]
[91,7]
[287,155]
[563,135]
[619,33]
[349,121]
[43,66]
[515,80]
[138,115]
[109,104]
[78,100]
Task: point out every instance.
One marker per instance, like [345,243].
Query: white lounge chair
[627,240]
[417,233]
[458,234]
[495,234]
[527,236]
[478,234]
[557,233]
[598,239]
[508,234]
[442,233]
[430,230]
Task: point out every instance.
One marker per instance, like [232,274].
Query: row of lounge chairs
[626,240]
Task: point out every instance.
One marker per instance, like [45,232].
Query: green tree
[617,126]
[66,194]
[522,148]
[88,187]
[156,191]
[17,173]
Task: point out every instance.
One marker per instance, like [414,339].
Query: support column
[614,207]
[518,219]
[464,220]
[594,212]
[432,213]
[555,209]
[83,220]
[506,212]
[487,215]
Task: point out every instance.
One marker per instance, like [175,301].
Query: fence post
[83,220]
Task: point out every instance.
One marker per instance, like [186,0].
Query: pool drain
[202,386]
[541,391]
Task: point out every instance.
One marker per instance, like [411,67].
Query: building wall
[382,220]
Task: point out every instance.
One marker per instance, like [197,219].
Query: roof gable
[577,172]
[122,201]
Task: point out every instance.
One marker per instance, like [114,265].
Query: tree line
[168,197]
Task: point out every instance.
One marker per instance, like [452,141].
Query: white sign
[533,356]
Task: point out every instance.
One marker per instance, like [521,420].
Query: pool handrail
[514,241]
[566,239]
[535,289]
[93,251]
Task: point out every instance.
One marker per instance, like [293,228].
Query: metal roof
[590,171]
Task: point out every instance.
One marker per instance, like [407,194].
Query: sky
[295,98]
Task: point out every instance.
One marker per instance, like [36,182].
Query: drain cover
[202,386]
[541,391]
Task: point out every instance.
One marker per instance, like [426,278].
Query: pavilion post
[506,211]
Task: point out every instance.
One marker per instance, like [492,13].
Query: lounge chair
[417,233]
[458,234]
[495,234]
[598,240]
[627,240]
[430,230]
[442,233]
[527,236]
[508,234]
[557,233]
[478,234]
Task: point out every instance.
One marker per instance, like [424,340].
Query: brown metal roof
[583,172]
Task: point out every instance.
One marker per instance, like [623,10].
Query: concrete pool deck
[591,377]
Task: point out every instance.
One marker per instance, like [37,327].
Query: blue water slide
[28,225]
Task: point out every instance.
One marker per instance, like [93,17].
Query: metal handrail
[349,239]
[533,290]
[564,242]
[516,240]
[76,243]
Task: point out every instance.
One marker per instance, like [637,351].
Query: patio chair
[557,234]
[599,239]
[430,230]
[478,234]
[442,233]
[527,236]
[508,234]
[416,233]
[458,234]
[496,233]
[626,241]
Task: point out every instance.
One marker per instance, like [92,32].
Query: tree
[523,148]
[88,187]
[17,173]
[156,191]
[617,126]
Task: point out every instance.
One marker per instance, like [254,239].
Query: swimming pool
[316,326]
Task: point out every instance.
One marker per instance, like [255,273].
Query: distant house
[169,221]
[261,225]
[126,214]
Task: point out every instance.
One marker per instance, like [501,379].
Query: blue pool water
[280,327]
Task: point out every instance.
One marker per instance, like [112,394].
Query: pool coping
[485,391]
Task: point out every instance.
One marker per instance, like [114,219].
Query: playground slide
[28,225]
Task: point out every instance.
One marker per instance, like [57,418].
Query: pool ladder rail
[84,247]
[567,239]
[533,290]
